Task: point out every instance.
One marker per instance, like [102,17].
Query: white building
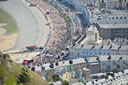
[119,79]
[92,36]
[60,68]
[111,23]
[113,63]
[88,50]
[110,15]
[83,51]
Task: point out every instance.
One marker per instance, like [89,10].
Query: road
[75,22]
[30,23]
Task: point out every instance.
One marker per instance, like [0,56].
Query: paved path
[58,29]
[30,22]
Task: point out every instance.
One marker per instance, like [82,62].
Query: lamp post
[120,62]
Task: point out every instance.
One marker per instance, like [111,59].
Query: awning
[30,58]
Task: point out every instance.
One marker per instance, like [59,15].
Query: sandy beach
[7,41]
[30,21]
[32,28]
[58,29]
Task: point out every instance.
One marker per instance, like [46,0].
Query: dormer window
[125,17]
[120,17]
[113,17]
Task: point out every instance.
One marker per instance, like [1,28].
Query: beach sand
[7,41]
[30,21]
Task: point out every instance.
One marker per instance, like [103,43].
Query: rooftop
[95,12]
[119,13]
[63,63]
[99,47]
[92,28]
[86,69]
[118,76]
[114,57]
[113,26]
[105,58]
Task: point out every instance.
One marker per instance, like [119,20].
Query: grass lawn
[6,18]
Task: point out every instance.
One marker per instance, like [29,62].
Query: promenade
[58,25]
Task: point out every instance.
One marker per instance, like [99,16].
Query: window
[120,17]
[109,17]
[125,17]
[113,17]
[116,17]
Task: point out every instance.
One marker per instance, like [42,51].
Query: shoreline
[46,17]
[7,41]
[31,25]
[8,31]
[58,29]
[38,42]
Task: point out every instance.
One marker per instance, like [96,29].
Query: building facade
[113,63]
[118,79]
[112,31]
[67,70]
[83,51]
[112,21]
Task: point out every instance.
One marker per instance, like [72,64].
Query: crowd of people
[58,30]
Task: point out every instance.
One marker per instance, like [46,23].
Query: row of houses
[82,68]
[84,51]
[120,78]
[67,69]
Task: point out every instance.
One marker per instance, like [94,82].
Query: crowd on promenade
[58,29]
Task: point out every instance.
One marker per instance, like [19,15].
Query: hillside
[12,73]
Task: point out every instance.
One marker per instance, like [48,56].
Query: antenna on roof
[109,57]
[93,47]
[110,47]
[70,62]
[120,58]
[101,46]
[82,45]
[119,47]
[51,65]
